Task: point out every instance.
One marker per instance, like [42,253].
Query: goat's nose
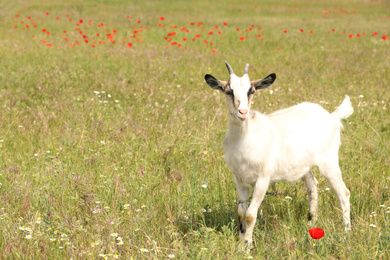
[243,111]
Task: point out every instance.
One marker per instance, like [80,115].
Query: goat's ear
[265,82]
[214,83]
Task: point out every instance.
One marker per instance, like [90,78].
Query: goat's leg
[312,191]
[259,191]
[332,173]
[243,197]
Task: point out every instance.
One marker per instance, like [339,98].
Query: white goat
[283,146]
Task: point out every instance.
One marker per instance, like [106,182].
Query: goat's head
[239,91]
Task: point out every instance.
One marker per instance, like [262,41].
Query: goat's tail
[344,110]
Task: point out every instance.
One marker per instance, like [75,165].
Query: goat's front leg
[243,197]
[259,191]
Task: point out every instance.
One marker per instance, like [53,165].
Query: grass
[116,141]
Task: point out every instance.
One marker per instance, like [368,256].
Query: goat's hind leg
[331,171]
[312,192]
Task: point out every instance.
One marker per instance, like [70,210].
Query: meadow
[111,141]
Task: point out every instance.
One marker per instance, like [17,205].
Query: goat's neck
[238,127]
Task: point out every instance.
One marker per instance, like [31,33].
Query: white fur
[283,146]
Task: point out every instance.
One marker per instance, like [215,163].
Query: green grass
[111,139]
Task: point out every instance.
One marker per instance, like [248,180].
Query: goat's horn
[246,69]
[229,68]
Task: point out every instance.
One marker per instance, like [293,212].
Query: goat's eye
[251,91]
[229,92]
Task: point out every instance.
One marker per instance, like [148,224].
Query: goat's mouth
[241,117]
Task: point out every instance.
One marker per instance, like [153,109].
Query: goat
[283,146]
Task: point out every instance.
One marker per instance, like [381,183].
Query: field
[111,141]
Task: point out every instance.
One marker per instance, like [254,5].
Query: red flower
[384,37]
[350,36]
[210,33]
[213,51]
[47,13]
[129,44]
[301,30]
[185,39]
[285,31]
[197,36]
[316,233]
[242,38]
[162,18]
[224,24]
[28,17]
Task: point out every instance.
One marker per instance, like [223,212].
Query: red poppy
[224,24]
[350,36]
[242,38]
[162,18]
[197,36]
[47,13]
[28,17]
[185,39]
[210,33]
[129,44]
[301,30]
[285,31]
[213,51]
[384,37]
[316,233]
